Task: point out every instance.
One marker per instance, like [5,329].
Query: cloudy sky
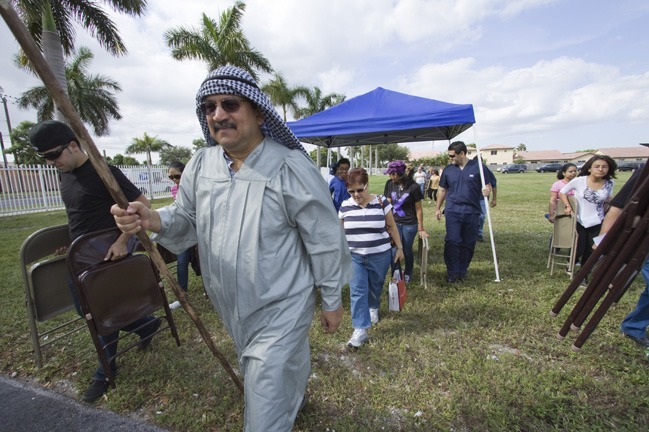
[552,74]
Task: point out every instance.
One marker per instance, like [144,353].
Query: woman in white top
[420,179]
[592,189]
[369,225]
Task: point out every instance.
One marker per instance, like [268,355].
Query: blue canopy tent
[384,116]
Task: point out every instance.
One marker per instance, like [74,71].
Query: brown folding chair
[563,247]
[114,294]
[47,294]
[423,261]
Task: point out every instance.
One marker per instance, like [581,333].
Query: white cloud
[431,48]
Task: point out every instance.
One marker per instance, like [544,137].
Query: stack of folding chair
[614,265]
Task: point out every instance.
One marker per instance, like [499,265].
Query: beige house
[626,154]
[494,154]
[553,156]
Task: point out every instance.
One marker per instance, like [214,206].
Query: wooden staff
[55,90]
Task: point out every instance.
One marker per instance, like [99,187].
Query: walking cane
[63,102]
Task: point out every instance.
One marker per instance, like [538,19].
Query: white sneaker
[174,305]
[374,315]
[359,337]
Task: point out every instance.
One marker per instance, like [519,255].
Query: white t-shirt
[420,177]
[591,201]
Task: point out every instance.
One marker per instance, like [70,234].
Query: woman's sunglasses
[53,155]
[174,177]
[356,191]
[230,106]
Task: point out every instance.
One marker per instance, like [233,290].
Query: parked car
[551,167]
[628,166]
[514,168]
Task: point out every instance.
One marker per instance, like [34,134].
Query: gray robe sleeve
[309,207]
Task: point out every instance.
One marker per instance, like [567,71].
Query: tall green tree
[175,154]
[316,101]
[93,96]
[147,144]
[120,159]
[282,95]
[521,147]
[22,149]
[52,25]
[323,155]
[218,43]
[391,152]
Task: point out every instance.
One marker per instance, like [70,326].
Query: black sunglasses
[53,155]
[353,191]
[230,106]
[174,177]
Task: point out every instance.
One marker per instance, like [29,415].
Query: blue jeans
[635,324]
[459,244]
[483,216]
[182,268]
[366,285]
[111,339]
[408,233]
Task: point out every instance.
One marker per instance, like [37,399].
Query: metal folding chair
[563,246]
[47,294]
[114,294]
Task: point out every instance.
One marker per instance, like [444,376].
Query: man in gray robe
[267,235]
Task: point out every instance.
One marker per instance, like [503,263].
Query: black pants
[585,241]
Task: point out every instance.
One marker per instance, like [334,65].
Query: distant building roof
[577,155]
[626,152]
[542,155]
[497,147]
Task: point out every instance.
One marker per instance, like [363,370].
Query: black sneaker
[95,391]
[145,341]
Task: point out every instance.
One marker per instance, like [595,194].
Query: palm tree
[147,144]
[282,95]
[51,24]
[218,43]
[316,102]
[93,96]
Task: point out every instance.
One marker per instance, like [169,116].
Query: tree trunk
[53,53]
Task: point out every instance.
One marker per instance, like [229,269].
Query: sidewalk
[27,408]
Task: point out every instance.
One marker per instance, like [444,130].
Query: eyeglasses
[53,155]
[356,191]
[230,106]
[452,155]
[174,177]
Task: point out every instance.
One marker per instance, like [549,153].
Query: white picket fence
[35,188]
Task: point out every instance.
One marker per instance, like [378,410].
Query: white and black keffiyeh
[232,80]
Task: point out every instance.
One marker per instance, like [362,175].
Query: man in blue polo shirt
[461,187]
[338,184]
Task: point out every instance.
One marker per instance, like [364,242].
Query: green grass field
[480,356]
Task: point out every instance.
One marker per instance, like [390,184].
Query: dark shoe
[145,341]
[461,278]
[451,280]
[96,390]
[643,342]
[481,239]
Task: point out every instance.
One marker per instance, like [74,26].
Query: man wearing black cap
[87,203]
[267,235]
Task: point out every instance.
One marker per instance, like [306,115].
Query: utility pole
[4,102]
